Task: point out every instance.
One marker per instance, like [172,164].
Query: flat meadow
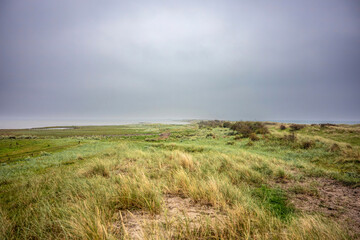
[202,180]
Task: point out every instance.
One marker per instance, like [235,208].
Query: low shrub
[210,135]
[250,143]
[334,148]
[246,128]
[232,133]
[282,127]
[237,137]
[296,127]
[227,124]
[210,124]
[253,137]
[307,144]
[99,169]
[289,138]
[280,173]
[324,125]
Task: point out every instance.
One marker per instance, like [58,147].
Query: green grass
[275,200]
[111,131]
[72,190]
[15,149]
[341,133]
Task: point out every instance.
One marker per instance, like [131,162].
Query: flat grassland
[196,181]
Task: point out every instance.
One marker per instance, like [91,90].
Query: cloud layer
[180,59]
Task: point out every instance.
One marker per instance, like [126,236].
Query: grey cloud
[217,59]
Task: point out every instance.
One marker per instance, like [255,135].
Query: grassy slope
[16,149]
[77,191]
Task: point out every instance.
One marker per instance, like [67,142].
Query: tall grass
[78,193]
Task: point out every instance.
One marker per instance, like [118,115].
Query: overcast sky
[180,59]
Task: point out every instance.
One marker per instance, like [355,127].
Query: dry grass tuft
[99,169]
[334,148]
[184,159]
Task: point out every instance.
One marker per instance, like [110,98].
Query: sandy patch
[139,224]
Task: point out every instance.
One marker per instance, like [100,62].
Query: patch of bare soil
[331,199]
[164,136]
[176,210]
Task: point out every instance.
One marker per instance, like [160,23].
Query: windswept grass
[85,191]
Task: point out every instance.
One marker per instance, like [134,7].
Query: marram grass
[87,191]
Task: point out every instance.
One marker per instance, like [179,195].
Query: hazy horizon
[232,60]
[25,123]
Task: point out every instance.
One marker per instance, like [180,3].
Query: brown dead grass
[164,136]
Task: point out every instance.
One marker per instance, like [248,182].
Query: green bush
[210,135]
[253,137]
[250,143]
[289,138]
[246,128]
[307,144]
[237,137]
[210,124]
[296,127]
[227,124]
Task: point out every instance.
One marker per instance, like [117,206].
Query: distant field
[206,180]
[83,131]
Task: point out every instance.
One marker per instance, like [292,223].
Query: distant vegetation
[244,129]
[296,127]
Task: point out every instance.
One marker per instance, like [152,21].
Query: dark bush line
[211,124]
[296,127]
[244,128]
[324,125]
[292,141]
[247,129]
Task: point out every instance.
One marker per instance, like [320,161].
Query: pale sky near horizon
[180,59]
